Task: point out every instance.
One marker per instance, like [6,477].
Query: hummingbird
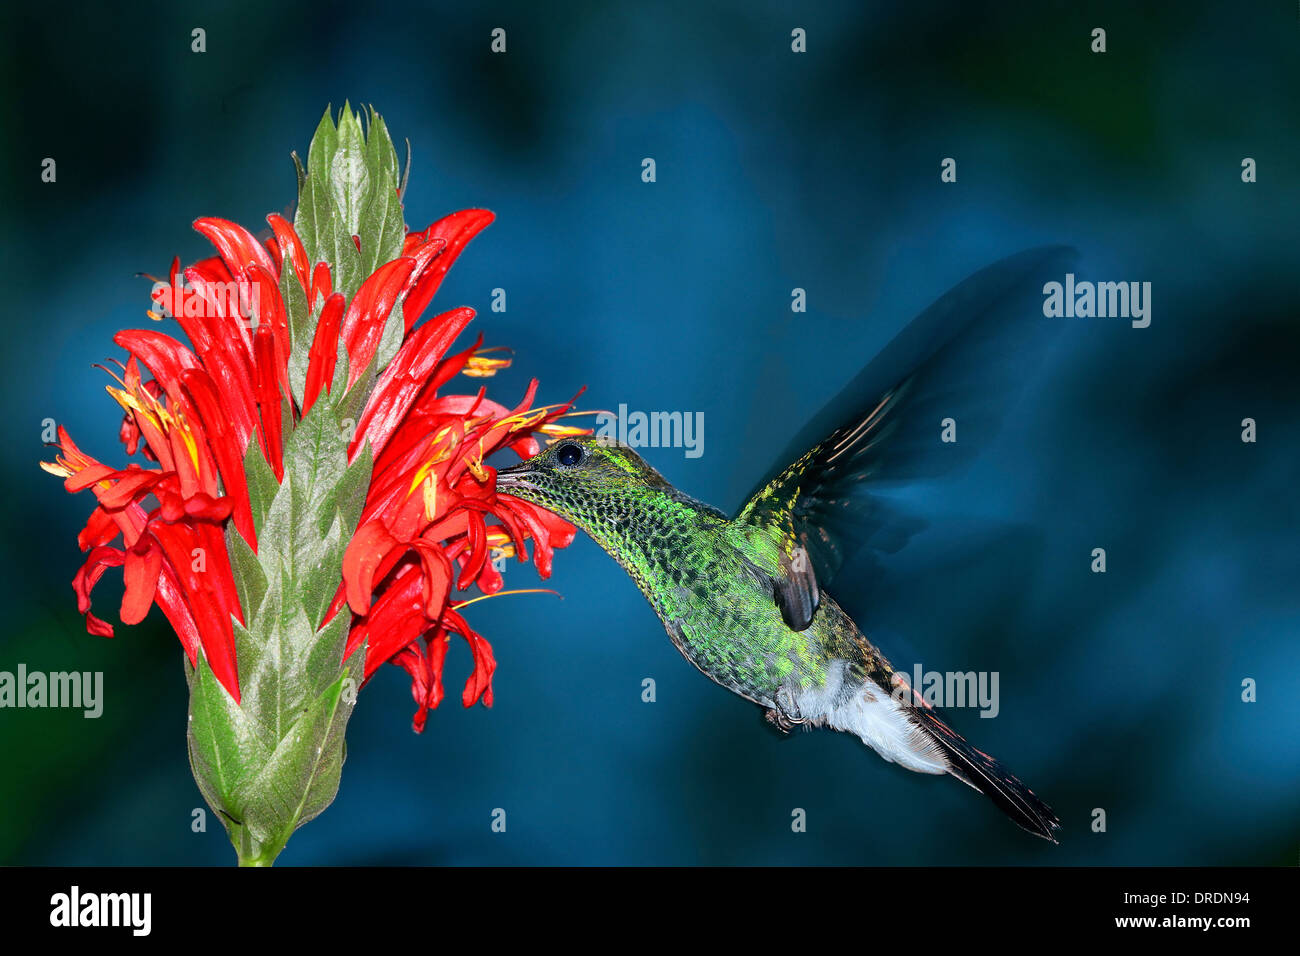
[747,600]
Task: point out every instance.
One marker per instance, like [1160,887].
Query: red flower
[431,520]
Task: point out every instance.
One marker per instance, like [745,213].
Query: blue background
[775,170]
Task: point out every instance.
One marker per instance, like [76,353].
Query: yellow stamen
[187,437]
[439,456]
[480,366]
[141,403]
[456,606]
[430,498]
[64,467]
[525,420]
[475,465]
[557,432]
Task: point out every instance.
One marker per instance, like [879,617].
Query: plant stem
[252,853]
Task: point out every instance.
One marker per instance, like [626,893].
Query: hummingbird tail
[978,770]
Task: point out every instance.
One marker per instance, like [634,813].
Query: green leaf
[301,172]
[301,778]
[316,455]
[262,486]
[325,662]
[302,329]
[275,538]
[406,172]
[325,236]
[225,746]
[250,579]
[349,177]
[381,156]
[381,227]
[391,341]
[351,497]
[323,144]
[352,402]
[321,581]
[351,189]
[272,661]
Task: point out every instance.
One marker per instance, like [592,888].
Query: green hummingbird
[745,599]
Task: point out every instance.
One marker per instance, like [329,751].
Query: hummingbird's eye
[568,454]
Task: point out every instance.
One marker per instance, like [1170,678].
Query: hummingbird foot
[784,713]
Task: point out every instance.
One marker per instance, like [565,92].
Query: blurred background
[775,170]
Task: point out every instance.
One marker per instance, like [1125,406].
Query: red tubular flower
[431,522]
[324,351]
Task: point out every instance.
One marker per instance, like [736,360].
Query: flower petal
[324,353]
[140,572]
[406,376]
[236,245]
[457,229]
[291,246]
[363,324]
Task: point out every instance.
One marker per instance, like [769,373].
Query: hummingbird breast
[717,603]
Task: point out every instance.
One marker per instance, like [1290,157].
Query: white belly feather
[877,718]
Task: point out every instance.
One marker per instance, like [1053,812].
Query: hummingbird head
[587,480]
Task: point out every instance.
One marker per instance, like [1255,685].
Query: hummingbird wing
[964,358]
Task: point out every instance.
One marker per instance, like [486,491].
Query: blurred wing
[965,358]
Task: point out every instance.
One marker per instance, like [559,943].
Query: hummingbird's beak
[513,477]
